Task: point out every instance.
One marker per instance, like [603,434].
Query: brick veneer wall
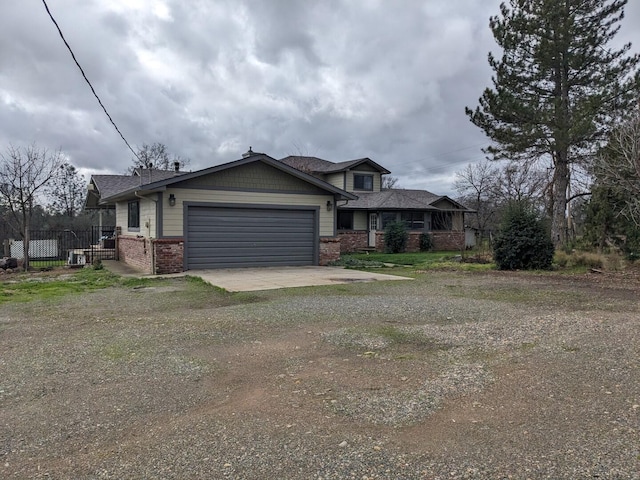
[357,240]
[448,240]
[329,250]
[353,240]
[137,252]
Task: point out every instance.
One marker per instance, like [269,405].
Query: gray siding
[256,176]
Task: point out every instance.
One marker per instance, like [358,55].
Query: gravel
[457,376]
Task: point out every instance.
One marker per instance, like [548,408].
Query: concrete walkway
[266,278]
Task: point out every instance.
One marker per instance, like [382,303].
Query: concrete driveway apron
[269,278]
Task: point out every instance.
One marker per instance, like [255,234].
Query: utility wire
[87,80]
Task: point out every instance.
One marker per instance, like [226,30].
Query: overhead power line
[87,80]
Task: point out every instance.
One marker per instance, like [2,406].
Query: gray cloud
[338,79]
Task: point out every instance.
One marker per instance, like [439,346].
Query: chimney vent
[176,166]
[247,154]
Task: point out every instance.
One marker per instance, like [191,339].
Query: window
[442,221]
[362,182]
[133,216]
[413,220]
[387,218]
[345,220]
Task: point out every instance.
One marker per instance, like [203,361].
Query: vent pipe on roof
[176,166]
[247,154]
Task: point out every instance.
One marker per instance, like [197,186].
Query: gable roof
[105,186]
[400,199]
[119,187]
[318,165]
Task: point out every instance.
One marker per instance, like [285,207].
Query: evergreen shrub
[426,242]
[523,241]
[395,237]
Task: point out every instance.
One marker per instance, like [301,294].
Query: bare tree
[389,182]
[476,184]
[156,156]
[487,187]
[522,182]
[618,166]
[24,174]
[66,192]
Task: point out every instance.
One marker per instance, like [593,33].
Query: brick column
[329,250]
[169,255]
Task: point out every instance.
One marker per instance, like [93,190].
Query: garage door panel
[248,251]
[236,214]
[269,230]
[275,246]
[225,237]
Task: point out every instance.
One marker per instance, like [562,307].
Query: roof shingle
[396,199]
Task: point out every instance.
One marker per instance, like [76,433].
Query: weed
[581,260]
[569,348]
[398,336]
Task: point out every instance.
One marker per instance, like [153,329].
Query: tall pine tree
[557,87]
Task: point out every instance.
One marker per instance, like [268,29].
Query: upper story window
[133,214]
[362,182]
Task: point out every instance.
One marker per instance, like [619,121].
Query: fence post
[6,247]
[118,233]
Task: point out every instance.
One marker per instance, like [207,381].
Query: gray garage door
[225,237]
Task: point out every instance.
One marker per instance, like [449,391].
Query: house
[259,211]
[255,211]
[360,223]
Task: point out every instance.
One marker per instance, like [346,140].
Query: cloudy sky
[336,79]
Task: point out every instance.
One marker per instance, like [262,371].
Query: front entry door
[373,227]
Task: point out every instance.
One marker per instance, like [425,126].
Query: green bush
[395,237]
[426,242]
[523,242]
[631,247]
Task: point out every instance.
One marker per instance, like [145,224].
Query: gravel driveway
[453,375]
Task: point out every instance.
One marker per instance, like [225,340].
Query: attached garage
[250,236]
[253,212]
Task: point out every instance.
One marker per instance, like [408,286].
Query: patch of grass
[47,263]
[460,266]
[27,288]
[116,352]
[36,287]
[398,336]
[578,261]
[416,258]
[420,261]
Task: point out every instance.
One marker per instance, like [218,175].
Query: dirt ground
[453,375]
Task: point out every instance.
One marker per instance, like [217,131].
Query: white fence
[37,248]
